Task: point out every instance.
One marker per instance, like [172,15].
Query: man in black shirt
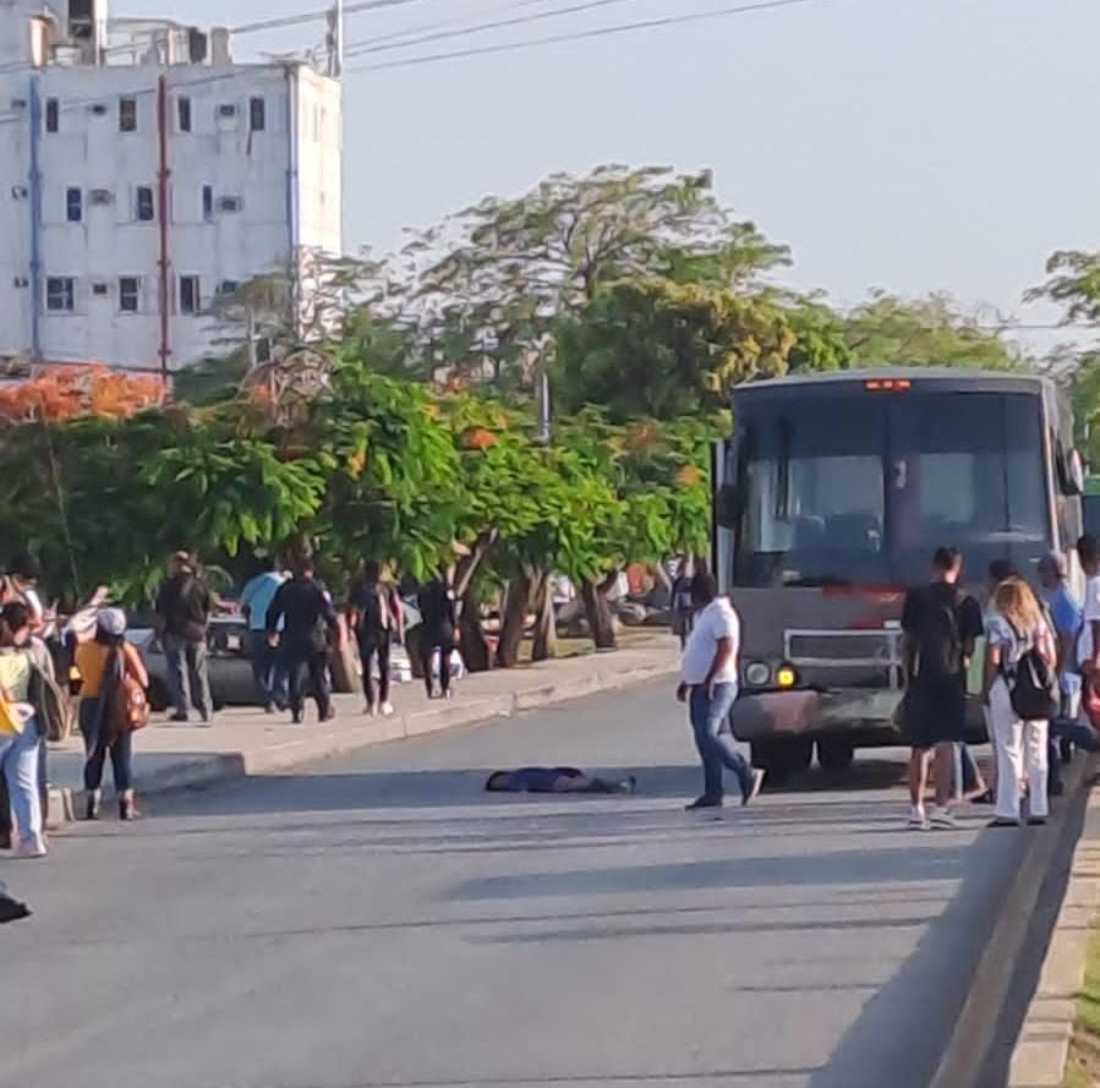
[308,617]
[183,609]
[940,625]
[437,631]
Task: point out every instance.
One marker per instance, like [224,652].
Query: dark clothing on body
[184,604]
[940,622]
[307,616]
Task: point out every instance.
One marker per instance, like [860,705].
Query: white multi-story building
[142,172]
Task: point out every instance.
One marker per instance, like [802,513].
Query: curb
[1042,1050]
[963,1063]
[205,770]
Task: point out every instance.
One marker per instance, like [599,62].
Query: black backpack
[374,617]
[941,650]
[1032,687]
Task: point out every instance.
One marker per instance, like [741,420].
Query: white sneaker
[387,709]
[34,847]
[942,819]
[918,821]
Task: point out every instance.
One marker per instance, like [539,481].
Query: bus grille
[821,651]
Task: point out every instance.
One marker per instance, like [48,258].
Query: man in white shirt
[708,683]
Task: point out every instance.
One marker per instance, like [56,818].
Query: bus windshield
[862,488]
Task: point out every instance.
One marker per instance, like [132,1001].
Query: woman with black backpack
[1019,690]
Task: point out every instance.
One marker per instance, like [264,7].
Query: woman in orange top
[92,659]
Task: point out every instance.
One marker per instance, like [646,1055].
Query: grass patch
[1083,1067]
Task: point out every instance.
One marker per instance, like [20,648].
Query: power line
[359,49]
[580,35]
[313,16]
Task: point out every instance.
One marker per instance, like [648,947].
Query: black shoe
[127,810]
[983,798]
[91,811]
[1000,822]
[296,717]
[327,715]
[706,801]
[177,717]
[1037,821]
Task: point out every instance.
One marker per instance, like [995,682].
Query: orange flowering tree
[65,393]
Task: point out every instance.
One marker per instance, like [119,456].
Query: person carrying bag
[113,706]
[1020,692]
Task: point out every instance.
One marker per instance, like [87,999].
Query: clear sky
[914,145]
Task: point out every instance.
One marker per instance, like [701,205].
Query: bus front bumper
[776,714]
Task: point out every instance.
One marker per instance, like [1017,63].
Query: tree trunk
[600,621]
[512,620]
[473,646]
[546,633]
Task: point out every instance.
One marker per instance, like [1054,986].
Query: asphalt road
[378,921]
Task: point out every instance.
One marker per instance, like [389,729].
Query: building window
[257,114]
[53,114]
[228,287]
[183,113]
[208,203]
[74,205]
[127,115]
[190,299]
[129,292]
[60,294]
[145,209]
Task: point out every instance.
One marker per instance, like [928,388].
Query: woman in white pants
[1015,627]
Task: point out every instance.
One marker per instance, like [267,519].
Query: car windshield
[863,488]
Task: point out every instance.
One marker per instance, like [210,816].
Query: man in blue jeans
[256,598]
[708,683]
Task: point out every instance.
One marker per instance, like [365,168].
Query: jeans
[1020,746]
[96,748]
[188,675]
[369,649]
[270,678]
[714,740]
[297,660]
[19,762]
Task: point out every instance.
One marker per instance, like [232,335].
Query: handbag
[1032,686]
[12,722]
[127,703]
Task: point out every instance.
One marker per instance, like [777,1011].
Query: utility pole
[542,435]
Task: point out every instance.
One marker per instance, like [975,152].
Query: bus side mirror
[1071,472]
[727,506]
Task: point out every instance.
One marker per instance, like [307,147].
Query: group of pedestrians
[102,668]
[1041,651]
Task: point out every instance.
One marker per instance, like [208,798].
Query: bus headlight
[757,674]
[785,677]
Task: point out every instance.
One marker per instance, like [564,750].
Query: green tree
[932,331]
[654,347]
[497,275]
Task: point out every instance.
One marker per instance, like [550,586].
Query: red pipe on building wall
[162,207]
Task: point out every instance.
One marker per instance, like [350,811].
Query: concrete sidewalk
[245,741]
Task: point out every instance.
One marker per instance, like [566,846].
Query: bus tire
[835,753]
[782,758]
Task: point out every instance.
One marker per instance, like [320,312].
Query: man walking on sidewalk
[183,608]
[307,616]
[256,598]
[708,682]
